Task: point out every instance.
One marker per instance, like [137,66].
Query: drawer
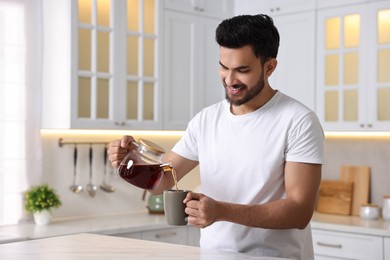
[347,245]
[169,235]
[136,235]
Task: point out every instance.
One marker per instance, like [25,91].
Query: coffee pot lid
[152,146]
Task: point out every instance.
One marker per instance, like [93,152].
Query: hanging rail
[61,142]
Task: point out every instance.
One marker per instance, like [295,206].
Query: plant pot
[42,218]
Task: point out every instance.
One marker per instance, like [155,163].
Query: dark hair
[258,31]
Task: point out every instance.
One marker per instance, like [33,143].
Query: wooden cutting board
[360,176]
[335,197]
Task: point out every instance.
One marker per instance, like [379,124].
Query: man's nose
[230,78]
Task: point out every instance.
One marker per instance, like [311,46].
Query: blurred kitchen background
[91,71]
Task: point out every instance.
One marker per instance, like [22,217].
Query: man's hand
[118,149]
[202,210]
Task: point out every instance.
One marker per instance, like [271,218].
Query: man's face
[241,73]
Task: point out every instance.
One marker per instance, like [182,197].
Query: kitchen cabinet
[214,9]
[191,68]
[185,235]
[193,236]
[386,246]
[274,8]
[295,71]
[322,4]
[353,70]
[342,245]
[100,64]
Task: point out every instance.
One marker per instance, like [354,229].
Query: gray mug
[174,207]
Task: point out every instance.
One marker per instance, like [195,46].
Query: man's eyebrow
[237,68]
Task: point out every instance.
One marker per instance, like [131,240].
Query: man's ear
[270,66]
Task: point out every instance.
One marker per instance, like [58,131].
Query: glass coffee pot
[143,166]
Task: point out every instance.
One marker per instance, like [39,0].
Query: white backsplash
[58,172]
[360,152]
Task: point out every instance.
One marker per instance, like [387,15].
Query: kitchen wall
[58,169]
[367,151]
[58,172]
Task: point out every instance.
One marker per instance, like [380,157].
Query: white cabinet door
[322,4]
[346,245]
[353,82]
[214,8]
[191,67]
[294,74]
[273,8]
[100,65]
[193,236]
[169,235]
[136,235]
[386,245]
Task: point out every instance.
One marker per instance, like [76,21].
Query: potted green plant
[39,200]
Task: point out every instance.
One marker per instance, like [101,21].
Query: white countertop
[142,221]
[352,224]
[92,246]
[107,225]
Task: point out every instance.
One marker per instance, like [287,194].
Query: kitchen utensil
[360,177]
[386,208]
[142,166]
[369,211]
[104,186]
[75,187]
[335,197]
[90,187]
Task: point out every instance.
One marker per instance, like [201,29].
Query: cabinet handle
[369,125]
[329,245]
[166,234]
[199,9]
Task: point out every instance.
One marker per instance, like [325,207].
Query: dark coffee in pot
[145,176]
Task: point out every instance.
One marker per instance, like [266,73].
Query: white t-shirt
[241,160]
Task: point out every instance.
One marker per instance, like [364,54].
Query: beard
[247,95]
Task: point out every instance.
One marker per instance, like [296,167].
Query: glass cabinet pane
[331,106]
[332,70]
[103,50]
[149,16]
[132,100]
[132,15]
[132,55]
[85,11]
[149,57]
[103,91]
[384,26]
[351,30]
[148,101]
[384,66]
[84,97]
[350,105]
[384,104]
[103,12]
[84,51]
[332,30]
[351,68]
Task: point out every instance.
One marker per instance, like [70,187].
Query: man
[259,153]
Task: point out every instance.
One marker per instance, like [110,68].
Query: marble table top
[94,246]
